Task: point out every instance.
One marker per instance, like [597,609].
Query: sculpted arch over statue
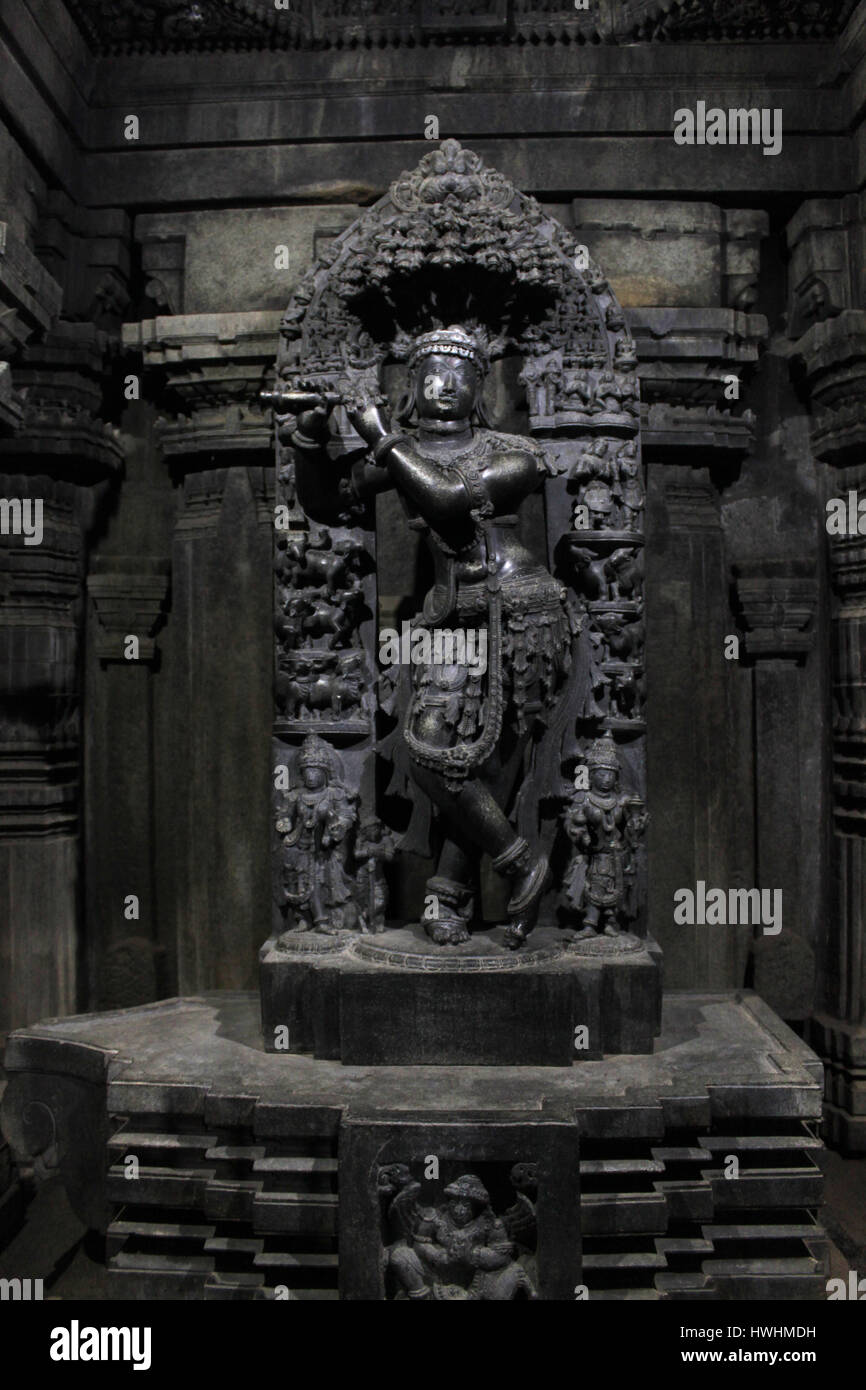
[451,272]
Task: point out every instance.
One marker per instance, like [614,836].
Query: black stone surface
[396,999]
[248,1166]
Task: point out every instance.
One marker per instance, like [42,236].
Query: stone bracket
[778,606]
[214,366]
[128,595]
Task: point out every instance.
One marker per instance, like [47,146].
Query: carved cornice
[161,25]
[666,428]
[210,368]
[188,342]
[62,380]
[685,356]
[778,600]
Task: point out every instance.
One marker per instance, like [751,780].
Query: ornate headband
[453,341]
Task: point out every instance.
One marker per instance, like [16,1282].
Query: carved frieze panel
[484,1211]
[160,25]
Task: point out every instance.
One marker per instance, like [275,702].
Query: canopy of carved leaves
[451,241]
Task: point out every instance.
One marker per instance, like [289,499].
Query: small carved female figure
[628,489]
[316,820]
[604,825]
[374,848]
[466,735]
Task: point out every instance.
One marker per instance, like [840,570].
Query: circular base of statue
[600,944]
[397,999]
[411,948]
[306,943]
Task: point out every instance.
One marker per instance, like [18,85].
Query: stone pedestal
[396,999]
[249,1164]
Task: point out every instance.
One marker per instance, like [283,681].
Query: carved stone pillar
[128,595]
[55,461]
[701,824]
[701,262]
[778,602]
[834,355]
[206,370]
[827,285]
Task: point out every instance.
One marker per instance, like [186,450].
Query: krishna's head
[447,367]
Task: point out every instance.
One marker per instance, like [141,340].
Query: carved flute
[293,402]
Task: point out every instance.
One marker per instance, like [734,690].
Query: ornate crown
[453,341]
[468,1185]
[315,752]
[603,754]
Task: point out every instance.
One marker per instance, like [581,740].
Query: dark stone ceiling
[147,26]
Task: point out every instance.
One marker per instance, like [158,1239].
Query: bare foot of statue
[448,933]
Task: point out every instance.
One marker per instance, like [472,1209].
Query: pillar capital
[210,369]
[128,594]
[778,601]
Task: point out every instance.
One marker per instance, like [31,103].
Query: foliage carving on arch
[453,241]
